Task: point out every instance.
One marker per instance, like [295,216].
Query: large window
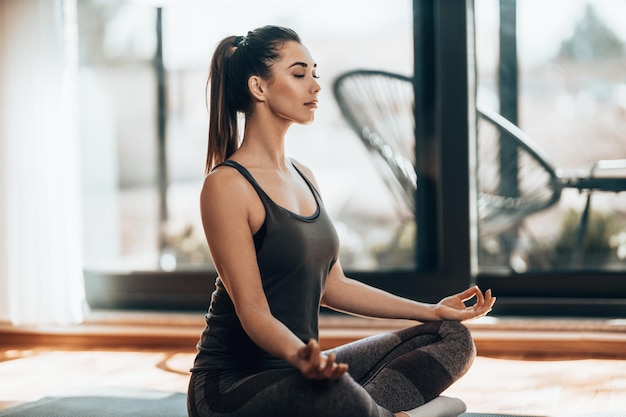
[515,101]
[143,169]
[556,70]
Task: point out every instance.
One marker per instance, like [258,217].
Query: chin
[310,120]
[305,122]
[300,119]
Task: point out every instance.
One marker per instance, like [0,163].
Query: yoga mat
[136,402]
[492,415]
[105,402]
[599,414]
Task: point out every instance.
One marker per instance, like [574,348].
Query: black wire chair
[379,107]
[533,183]
[538,183]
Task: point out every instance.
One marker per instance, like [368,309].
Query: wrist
[434,312]
[425,312]
[297,353]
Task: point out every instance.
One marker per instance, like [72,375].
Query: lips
[312,104]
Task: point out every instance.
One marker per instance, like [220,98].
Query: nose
[316,86]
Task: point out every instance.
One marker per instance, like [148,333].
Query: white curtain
[41,278]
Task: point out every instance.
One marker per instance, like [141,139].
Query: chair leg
[577,250]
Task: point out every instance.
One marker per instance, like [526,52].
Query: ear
[256,85]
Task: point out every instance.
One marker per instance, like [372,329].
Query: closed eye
[304,65]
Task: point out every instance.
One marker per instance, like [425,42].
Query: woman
[275,251]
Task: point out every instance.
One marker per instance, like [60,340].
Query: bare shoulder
[226,188]
[230,209]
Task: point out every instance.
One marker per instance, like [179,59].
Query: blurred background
[571,96]
[516,115]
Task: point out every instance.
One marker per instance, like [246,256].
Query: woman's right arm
[229,208]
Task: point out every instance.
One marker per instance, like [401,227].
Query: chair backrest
[536,183]
[378,105]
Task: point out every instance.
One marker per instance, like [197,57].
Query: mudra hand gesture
[315,365]
[453,307]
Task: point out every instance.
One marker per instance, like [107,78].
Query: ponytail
[235,60]
[223,135]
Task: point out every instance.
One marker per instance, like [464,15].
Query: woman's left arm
[354,297]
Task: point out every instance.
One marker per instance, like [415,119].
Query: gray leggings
[387,373]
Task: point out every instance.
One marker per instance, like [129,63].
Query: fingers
[314,354]
[483,305]
[480,298]
[469,293]
[490,299]
[332,369]
[319,366]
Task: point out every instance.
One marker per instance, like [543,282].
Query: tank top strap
[316,194]
[267,201]
[243,171]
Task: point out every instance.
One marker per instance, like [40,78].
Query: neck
[264,139]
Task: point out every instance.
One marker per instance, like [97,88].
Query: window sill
[518,338]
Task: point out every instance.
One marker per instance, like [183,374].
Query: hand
[454,308]
[314,365]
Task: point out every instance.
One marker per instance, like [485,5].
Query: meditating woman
[276,254]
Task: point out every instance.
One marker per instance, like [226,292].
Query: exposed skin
[232,213]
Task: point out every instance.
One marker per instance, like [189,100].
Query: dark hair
[235,60]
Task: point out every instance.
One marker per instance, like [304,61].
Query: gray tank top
[295,254]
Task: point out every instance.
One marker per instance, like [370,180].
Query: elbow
[328,299]
[252,317]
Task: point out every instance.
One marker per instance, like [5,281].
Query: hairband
[242,40]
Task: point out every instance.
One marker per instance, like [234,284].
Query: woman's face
[292,91]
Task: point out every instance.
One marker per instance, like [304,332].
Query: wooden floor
[511,382]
